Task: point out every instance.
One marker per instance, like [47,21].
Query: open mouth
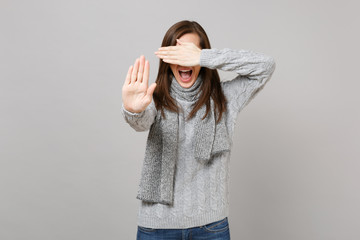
[185,75]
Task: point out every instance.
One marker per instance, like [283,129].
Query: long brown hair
[211,81]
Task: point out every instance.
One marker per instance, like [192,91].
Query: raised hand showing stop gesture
[136,94]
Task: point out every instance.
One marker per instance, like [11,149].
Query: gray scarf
[211,138]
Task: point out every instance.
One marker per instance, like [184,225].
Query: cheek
[197,70]
[173,68]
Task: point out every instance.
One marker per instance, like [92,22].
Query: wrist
[131,110]
[205,58]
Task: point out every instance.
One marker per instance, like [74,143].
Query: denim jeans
[218,230]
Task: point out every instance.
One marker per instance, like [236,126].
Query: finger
[169,48]
[164,53]
[173,61]
[172,57]
[134,71]
[128,75]
[146,73]
[141,69]
[183,43]
[167,52]
[151,90]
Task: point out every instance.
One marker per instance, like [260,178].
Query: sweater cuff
[206,56]
[131,114]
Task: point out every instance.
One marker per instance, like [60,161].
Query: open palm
[136,94]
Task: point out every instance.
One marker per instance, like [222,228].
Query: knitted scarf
[211,138]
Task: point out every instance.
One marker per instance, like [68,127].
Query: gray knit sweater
[201,192]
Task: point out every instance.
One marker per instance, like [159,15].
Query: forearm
[253,69]
[253,65]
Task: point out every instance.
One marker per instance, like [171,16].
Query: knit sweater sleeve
[140,121]
[254,71]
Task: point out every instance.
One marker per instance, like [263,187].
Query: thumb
[151,90]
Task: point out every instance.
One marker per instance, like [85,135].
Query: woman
[191,116]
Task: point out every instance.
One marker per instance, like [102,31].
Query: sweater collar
[189,94]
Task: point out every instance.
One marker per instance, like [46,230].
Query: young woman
[191,117]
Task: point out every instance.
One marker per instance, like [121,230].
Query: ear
[179,42]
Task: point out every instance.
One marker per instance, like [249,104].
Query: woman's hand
[185,54]
[136,94]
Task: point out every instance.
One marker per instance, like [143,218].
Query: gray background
[70,165]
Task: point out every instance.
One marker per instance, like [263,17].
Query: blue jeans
[218,230]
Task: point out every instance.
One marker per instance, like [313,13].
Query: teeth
[185,70]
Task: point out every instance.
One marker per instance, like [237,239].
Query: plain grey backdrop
[70,165]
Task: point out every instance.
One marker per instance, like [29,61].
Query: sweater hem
[182,222]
